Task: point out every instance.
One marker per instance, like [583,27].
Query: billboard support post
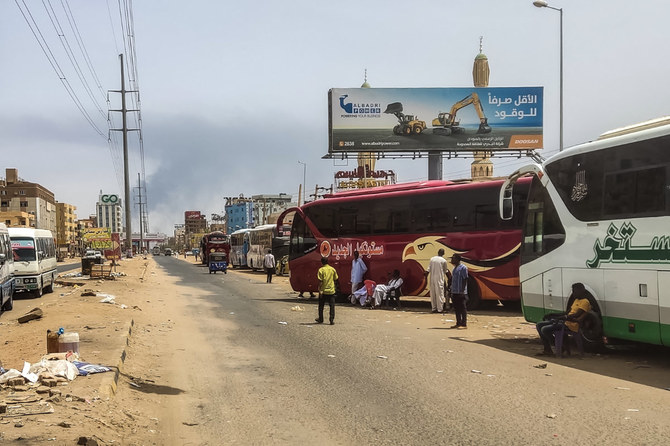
[435,166]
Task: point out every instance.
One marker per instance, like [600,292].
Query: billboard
[97,238]
[434,119]
[191,215]
[114,252]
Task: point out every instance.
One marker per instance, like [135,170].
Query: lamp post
[304,174]
[544,4]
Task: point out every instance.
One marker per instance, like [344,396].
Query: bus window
[302,239]
[323,218]
[543,231]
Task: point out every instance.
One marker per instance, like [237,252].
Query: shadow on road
[639,363]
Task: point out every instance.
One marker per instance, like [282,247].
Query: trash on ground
[35,313]
[551,415]
[382,357]
[475,371]
[331,356]
[622,388]
[297,308]
[541,366]
[283,322]
[633,410]
[85,368]
[106,298]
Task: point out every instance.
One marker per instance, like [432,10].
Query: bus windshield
[24,249]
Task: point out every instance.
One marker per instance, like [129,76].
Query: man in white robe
[437,272]
[358,270]
[382,291]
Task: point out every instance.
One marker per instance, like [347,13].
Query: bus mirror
[506,203]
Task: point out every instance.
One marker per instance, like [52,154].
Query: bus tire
[592,332]
[474,298]
[50,288]
[38,292]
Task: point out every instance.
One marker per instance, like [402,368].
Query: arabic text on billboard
[435,119]
[188,215]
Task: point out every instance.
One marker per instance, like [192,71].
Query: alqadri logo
[359,109]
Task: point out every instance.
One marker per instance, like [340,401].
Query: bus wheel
[474,298]
[50,287]
[38,291]
[592,331]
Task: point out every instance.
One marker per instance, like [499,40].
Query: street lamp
[304,174]
[544,4]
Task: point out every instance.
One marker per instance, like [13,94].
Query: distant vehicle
[213,242]
[92,254]
[218,261]
[239,247]
[156,250]
[260,240]
[6,270]
[168,252]
[34,252]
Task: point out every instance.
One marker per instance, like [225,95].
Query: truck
[407,124]
[446,124]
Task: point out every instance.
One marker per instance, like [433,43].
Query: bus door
[553,291]
[664,305]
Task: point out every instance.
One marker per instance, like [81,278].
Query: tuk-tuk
[218,261]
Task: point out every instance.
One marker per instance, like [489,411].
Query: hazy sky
[234,94]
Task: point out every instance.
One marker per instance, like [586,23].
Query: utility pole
[139,190]
[126,174]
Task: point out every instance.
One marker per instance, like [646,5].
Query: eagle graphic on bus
[482,271]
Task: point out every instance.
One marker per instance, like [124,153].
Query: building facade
[18,196]
[66,227]
[266,208]
[109,212]
[239,213]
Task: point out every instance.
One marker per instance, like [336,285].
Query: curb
[109,388]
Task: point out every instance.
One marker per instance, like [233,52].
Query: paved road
[384,377]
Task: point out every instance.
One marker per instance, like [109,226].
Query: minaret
[482,166]
[366,158]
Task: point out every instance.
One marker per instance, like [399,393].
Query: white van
[34,253]
[6,270]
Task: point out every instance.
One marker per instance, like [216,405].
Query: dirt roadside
[144,314]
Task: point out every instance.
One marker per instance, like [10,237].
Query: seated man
[570,319]
[385,292]
[363,295]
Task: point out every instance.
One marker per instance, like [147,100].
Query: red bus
[402,226]
[215,241]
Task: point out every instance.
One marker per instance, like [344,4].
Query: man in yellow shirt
[327,277]
[571,319]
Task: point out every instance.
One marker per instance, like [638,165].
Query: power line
[34,28]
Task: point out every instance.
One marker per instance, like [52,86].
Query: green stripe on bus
[533,314]
[632,330]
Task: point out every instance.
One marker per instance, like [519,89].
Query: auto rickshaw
[218,261]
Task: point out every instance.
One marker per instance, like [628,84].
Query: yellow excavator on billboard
[407,124]
[446,123]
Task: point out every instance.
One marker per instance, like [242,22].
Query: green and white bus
[599,213]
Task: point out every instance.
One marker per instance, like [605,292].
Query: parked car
[92,254]
[168,252]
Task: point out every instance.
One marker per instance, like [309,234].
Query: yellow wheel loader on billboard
[446,123]
[407,124]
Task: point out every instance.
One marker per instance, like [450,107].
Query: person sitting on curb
[570,319]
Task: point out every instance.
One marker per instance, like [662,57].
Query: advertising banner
[115,252]
[435,119]
[190,215]
[97,238]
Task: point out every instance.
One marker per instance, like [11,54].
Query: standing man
[358,270]
[459,292]
[437,270]
[269,264]
[327,277]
